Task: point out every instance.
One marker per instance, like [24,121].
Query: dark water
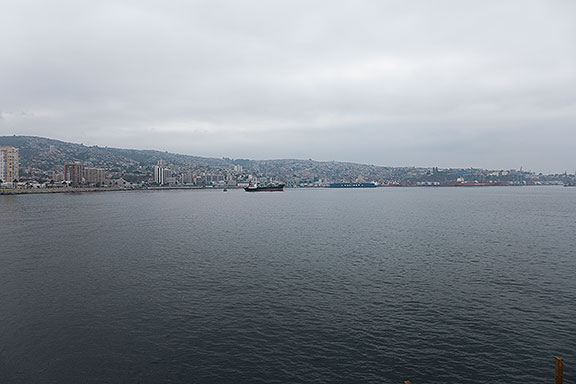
[305,286]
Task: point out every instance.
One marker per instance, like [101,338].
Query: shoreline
[8,192]
[90,190]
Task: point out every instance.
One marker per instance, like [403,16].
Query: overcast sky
[462,83]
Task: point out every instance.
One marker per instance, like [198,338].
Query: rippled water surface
[305,286]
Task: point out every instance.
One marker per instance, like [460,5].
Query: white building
[161,174]
[9,165]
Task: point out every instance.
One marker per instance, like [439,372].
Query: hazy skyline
[488,84]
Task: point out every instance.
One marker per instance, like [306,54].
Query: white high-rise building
[9,165]
[158,174]
[2,167]
[161,174]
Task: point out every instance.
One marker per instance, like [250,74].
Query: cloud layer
[444,83]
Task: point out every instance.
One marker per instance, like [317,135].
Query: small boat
[267,188]
[225,190]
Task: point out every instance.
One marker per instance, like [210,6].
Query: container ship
[352,185]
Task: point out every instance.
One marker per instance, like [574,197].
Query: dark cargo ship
[352,185]
[267,188]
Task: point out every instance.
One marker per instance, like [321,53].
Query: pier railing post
[559,370]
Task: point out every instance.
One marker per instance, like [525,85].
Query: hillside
[47,154]
[39,157]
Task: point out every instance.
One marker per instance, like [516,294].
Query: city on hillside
[37,163]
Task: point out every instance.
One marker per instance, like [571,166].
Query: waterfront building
[170,180]
[161,174]
[120,183]
[2,167]
[94,175]
[73,172]
[167,175]
[9,165]
[188,178]
[211,179]
[57,177]
[158,175]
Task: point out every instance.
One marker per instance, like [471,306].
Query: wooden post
[559,370]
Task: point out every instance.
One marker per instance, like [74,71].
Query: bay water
[432,285]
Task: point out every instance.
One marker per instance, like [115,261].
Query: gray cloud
[448,83]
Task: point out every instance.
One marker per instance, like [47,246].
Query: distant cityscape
[39,163]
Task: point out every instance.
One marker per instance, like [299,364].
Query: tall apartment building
[94,175]
[73,172]
[9,164]
[158,174]
[161,174]
[167,175]
[2,167]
